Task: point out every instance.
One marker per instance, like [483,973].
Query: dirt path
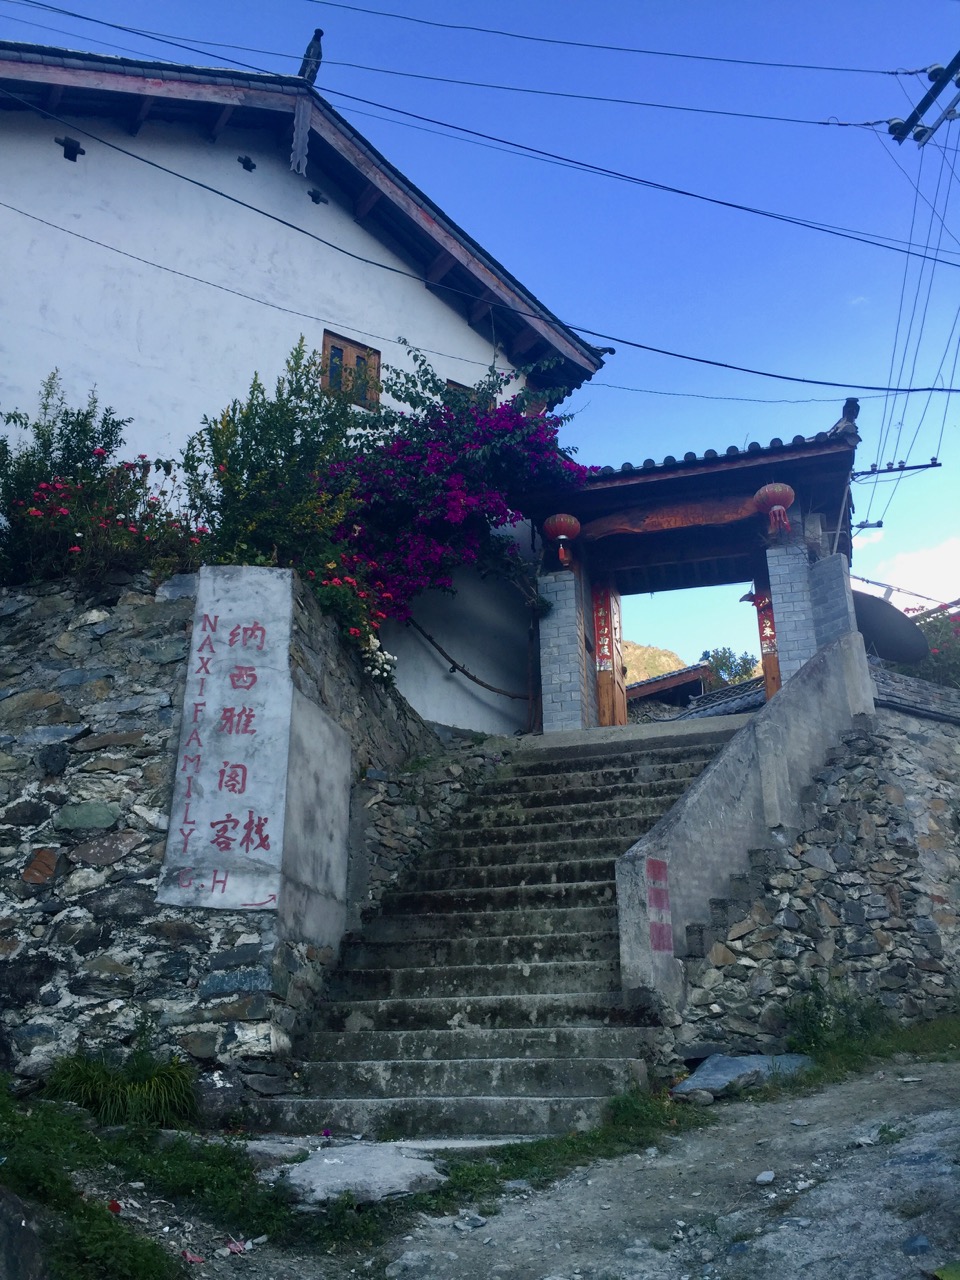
[864,1172]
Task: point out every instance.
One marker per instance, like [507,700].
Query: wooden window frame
[347,355]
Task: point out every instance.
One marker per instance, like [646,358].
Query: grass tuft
[141,1090]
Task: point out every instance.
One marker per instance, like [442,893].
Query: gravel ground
[865,1186]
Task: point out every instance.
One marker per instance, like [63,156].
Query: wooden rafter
[367,198]
[439,267]
[144,109]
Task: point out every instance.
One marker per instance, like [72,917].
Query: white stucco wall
[484,628]
[163,349]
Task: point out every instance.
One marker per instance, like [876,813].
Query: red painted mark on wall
[658,906]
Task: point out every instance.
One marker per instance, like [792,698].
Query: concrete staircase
[485,998]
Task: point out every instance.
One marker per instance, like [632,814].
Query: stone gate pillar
[811,595]
[567,678]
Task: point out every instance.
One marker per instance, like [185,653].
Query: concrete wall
[165,349]
[485,627]
[667,879]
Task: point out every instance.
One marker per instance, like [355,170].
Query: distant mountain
[646,660]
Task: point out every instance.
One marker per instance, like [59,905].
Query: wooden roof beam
[221,122]
[442,264]
[146,106]
[267,99]
[525,340]
[365,201]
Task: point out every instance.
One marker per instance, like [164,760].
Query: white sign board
[225,842]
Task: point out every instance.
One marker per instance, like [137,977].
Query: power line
[178,41]
[615,48]
[591,97]
[916,187]
[916,350]
[379,337]
[358,257]
[702,395]
[586,166]
[884,242]
[238,293]
[134,31]
[904,591]
[61,31]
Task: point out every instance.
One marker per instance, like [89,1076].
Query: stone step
[596,781]
[466,950]
[467,1077]
[501,898]
[699,939]
[560,812]
[509,852]
[411,1117]
[479,1042]
[520,978]
[548,762]
[504,874]
[454,925]
[626,829]
[597,1009]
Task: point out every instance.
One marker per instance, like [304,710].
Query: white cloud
[867,538]
[933,571]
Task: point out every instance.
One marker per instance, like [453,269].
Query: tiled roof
[728,701]
[846,437]
[916,697]
[697,669]
[78,59]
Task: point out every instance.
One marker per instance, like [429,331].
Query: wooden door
[608,640]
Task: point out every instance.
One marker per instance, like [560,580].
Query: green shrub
[95,1246]
[142,1090]
[941,627]
[833,1022]
[70,508]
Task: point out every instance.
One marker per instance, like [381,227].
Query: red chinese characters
[221,666]
[253,835]
[237,720]
[233,778]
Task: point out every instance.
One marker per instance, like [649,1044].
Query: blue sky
[662,269]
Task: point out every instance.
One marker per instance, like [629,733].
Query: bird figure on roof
[312,58]
[848,417]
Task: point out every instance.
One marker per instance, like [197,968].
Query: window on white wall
[351,367]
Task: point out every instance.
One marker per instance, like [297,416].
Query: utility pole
[940,77]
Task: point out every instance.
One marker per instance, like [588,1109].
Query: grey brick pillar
[812,603]
[563,667]
[789,569]
[833,612]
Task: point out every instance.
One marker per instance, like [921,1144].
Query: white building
[167,230]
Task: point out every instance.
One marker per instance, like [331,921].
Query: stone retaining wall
[867,895]
[90,699]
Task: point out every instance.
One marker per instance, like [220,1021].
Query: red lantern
[562,529]
[775,499]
